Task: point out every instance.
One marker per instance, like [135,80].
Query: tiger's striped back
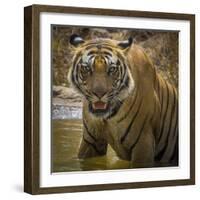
[167,138]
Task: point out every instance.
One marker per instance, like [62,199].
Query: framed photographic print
[109,99]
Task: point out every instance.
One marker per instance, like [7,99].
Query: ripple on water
[66,112]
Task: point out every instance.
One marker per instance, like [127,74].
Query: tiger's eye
[112,70]
[85,68]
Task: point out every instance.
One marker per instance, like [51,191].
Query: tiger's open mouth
[99,105]
[99,108]
[103,109]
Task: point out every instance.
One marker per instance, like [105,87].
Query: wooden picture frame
[32,106]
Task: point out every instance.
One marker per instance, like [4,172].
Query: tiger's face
[101,73]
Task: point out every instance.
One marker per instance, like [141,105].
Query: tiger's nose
[99,92]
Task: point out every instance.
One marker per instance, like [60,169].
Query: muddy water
[66,135]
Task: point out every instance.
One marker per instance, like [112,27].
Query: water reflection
[66,137]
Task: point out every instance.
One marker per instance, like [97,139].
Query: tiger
[126,102]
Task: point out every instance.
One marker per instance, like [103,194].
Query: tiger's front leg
[142,154]
[91,146]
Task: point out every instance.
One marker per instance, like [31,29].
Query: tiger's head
[100,72]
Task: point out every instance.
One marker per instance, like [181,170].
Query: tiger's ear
[124,45]
[76,40]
